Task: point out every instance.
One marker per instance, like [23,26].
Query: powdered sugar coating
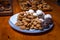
[47,16]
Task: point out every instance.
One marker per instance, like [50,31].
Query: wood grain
[7,33]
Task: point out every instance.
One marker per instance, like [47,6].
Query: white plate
[13,20]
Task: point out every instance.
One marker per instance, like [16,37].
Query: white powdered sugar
[31,11]
[47,16]
[39,12]
[42,20]
[35,14]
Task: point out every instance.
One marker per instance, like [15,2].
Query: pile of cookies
[35,4]
[5,6]
[27,20]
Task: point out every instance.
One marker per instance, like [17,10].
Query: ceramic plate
[13,20]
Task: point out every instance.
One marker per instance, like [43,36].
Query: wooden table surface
[7,33]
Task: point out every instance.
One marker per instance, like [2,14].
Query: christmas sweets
[30,20]
[35,4]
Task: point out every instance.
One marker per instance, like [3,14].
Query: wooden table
[7,33]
